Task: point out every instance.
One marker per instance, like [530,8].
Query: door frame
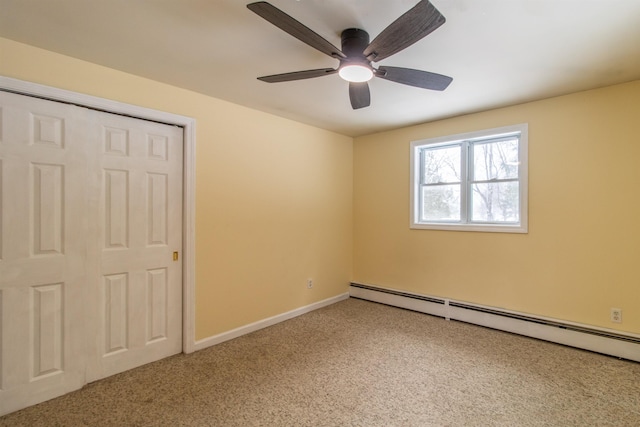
[188,124]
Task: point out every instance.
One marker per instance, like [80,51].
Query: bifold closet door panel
[138,296]
[43,224]
[90,219]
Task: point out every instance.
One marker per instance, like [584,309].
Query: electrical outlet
[309,283]
[616,315]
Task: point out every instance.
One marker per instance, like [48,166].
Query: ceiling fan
[357,53]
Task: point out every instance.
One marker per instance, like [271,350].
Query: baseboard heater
[600,340]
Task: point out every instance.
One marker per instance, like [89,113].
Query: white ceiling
[499,52]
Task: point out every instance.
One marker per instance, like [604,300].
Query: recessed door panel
[47,220]
[157,304]
[48,131]
[116,208]
[157,208]
[47,330]
[115,325]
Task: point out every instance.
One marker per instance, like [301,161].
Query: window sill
[486,228]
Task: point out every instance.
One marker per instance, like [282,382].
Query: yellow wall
[274,205]
[273,197]
[582,253]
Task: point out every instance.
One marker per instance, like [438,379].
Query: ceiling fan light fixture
[357,53]
[356,73]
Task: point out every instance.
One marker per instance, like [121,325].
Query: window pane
[442,164]
[495,160]
[441,203]
[495,202]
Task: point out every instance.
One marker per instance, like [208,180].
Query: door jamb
[189,173]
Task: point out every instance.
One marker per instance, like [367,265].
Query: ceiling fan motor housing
[354,42]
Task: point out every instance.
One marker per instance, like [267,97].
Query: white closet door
[90,217]
[138,296]
[43,223]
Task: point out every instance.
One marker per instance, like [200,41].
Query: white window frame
[464,140]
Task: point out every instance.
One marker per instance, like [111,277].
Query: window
[474,182]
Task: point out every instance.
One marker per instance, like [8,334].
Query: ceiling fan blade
[419,21]
[295,28]
[359,95]
[297,75]
[417,78]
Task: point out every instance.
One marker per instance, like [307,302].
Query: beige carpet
[358,363]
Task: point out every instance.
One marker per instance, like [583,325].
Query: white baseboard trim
[587,337]
[270,321]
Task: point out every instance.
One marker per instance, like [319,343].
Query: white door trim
[189,181]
